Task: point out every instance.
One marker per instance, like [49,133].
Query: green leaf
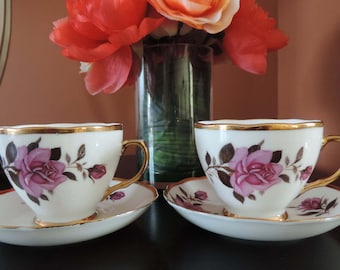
[331,204]
[252,197]
[183,191]
[179,198]
[70,176]
[255,147]
[299,155]
[226,153]
[15,178]
[33,199]
[207,158]
[224,177]
[276,156]
[287,161]
[81,152]
[11,152]
[285,178]
[310,213]
[68,158]
[33,145]
[238,197]
[44,197]
[55,153]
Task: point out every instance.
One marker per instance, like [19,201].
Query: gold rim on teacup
[259,124]
[59,128]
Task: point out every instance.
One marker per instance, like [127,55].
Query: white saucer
[17,227]
[196,201]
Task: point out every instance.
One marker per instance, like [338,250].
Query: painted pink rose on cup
[306,173]
[37,172]
[36,169]
[249,169]
[253,171]
[97,172]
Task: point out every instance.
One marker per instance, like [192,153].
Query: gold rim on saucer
[282,218]
[46,224]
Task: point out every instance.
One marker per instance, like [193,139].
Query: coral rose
[212,16]
[102,32]
[250,36]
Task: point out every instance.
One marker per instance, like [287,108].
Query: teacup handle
[324,181]
[125,183]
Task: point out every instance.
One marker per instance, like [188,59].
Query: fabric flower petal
[250,35]
[111,73]
[209,15]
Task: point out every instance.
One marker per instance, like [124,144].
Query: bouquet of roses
[104,35]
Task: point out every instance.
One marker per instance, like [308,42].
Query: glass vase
[173,92]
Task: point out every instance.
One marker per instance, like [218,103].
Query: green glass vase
[173,92]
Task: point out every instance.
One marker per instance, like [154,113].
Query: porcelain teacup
[258,166]
[62,171]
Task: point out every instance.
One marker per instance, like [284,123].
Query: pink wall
[39,85]
[309,68]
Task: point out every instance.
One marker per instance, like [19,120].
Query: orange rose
[212,16]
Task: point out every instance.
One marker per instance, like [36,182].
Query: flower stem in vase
[173,92]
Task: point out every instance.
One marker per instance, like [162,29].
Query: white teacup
[62,171]
[258,166]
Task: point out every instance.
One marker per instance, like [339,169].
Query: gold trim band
[59,128]
[265,124]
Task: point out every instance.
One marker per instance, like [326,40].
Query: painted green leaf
[299,155]
[55,153]
[81,152]
[33,145]
[207,158]
[11,152]
[226,153]
[252,197]
[255,147]
[331,204]
[33,199]
[224,177]
[238,197]
[183,191]
[284,177]
[70,176]
[276,156]
[44,197]
[68,158]
[15,178]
